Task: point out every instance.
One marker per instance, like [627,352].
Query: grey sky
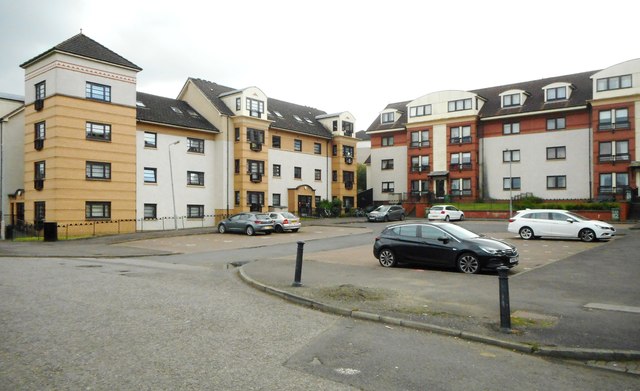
[336,56]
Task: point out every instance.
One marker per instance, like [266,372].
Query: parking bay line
[612,307]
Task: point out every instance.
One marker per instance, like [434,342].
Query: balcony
[460,140]
[461,193]
[38,144]
[255,177]
[38,104]
[614,125]
[611,190]
[420,168]
[38,184]
[419,144]
[256,147]
[460,166]
[348,159]
[348,185]
[622,157]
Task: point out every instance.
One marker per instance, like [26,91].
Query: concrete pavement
[582,307]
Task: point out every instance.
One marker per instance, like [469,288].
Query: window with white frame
[511,128]
[459,105]
[511,183]
[511,100]
[556,182]
[461,186]
[388,187]
[613,119]
[420,139]
[511,155]
[556,123]
[419,163]
[387,118]
[614,83]
[387,164]
[556,153]
[460,134]
[420,111]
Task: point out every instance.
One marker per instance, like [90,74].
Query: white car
[534,223]
[445,212]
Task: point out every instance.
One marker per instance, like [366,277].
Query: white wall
[398,175]
[287,161]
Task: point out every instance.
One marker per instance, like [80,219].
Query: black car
[442,244]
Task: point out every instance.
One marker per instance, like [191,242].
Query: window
[39,170]
[195,211]
[554,153]
[462,160]
[512,128]
[97,210]
[297,172]
[297,145]
[420,139]
[347,150]
[419,111]
[387,164]
[459,105]
[276,170]
[388,118]
[612,151]
[150,175]
[176,110]
[348,177]
[460,134]
[387,141]
[255,198]
[98,92]
[556,123]
[150,140]
[39,134]
[334,175]
[255,136]
[98,170]
[558,93]
[195,145]
[255,107]
[461,186]
[97,131]
[236,163]
[557,182]
[236,197]
[150,211]
[511,183]
[195,178]
[275,199]
[335,150]
[297,118]
[511,155]
[335,126]
[388,187]
[347,127]
[39,210]
[614,83]
[255,167]
[275,141]
[317,148]
[318,175]
[237,134]
[419,186]
[238,104]
[613,119]
[419,163]
[41,90]
[511,100]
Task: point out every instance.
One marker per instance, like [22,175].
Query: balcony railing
[348,185]
[38,184]
[460,140]
[418,144]
[38,144]
[614,158]
[38,104]
[256,177]
[419,168]
[463,192]
[256,147]
[348,159]
[611,189]
[460,166]
[614,125]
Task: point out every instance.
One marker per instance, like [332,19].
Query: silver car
[248,223]
[285,221]
[386,213]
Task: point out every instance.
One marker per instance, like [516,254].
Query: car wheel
[446,218]
[587,235]
[526,233]
[294,230]
[401,217]
[468,263]
[386,218]
[387,258]
[222,229]
[249,230]
[279,229]
[267,233]
[462,217]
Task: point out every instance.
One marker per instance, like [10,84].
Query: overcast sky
[354,56]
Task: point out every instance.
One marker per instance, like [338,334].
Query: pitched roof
[363,135]
[214,91]
[158,109]
[81,45]
[400,122]
[582,91]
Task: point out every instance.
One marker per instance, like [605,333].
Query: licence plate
[513,260]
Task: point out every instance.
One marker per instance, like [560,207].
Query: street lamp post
[173,192]
[510,183]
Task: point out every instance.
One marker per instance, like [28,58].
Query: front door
[440,188]
[304,205]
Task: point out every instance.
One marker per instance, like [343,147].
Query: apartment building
[95,150]
[571,137]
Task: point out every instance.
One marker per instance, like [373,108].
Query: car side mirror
[443,239]
[570,220]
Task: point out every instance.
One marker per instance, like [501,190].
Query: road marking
[613,307]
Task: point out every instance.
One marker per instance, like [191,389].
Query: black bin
[50,231]
[8,232]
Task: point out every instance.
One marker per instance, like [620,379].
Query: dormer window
[460,104]
[388,118]
[140,104]
[557,93]
[511,100]
[297,118]
[277,113]
[614,83]
[255,107]
[419,111]
[176,110]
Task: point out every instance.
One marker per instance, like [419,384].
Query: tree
[362,177]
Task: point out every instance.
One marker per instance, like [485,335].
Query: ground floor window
[195,211]
[98,210]
[39,211]
[388,187]
[150,211]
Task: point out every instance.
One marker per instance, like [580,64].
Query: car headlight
[490,250]
[602,226]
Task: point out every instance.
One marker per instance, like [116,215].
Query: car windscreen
[262,217]
[436,208]
[459,232]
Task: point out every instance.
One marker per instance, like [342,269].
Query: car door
[541,224]
[394,212]
[454,213]
[407,245]
[564,226]
[237,222]
[437,252]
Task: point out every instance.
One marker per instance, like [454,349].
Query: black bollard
[505,310]
[298,277]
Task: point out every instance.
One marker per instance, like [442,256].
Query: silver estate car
[248,223]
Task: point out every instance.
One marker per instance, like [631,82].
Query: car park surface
[442,244]
[535,223]
[445,212]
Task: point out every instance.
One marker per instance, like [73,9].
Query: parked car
[248,223]
[445,212]
[534,223]
[386,213]
[442,244]
[285,221]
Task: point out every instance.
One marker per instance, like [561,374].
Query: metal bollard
[505,310]
[298,277]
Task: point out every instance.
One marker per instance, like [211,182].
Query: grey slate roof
[158,109]
[84,46]
[363,135]
[213,91]
[399,122]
